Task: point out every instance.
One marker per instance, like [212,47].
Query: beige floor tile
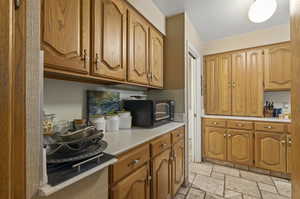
[201,168]
[232,195]
[249,197]
[242,185]
[179,196]
[211,196]
[183,190]
[219,176]
[266,187]
[257,177]
[280,179]
[192,177]
[195,194]
[209,184]
[227,170]
[268,195]
[284,188]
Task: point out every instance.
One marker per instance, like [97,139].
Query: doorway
[194,104]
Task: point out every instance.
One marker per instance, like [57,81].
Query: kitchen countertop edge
[259,119]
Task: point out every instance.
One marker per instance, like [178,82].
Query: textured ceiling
[216,19]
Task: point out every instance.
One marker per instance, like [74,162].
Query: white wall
[272,35]
[193,36]
[151,12]
[68,99]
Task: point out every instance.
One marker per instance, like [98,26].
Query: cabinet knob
[84,56]
[163,145]
[283,141]
[215,123]
[134,162]
[229,135]
[268,127]
[225,135]
[97,60]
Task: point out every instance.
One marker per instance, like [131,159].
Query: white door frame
[197,142]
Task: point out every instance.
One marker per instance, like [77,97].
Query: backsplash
[68,100]
[281,99]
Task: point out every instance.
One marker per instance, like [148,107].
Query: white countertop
[118,142]
[124,140]
[263,119]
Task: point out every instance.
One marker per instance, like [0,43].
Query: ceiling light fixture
[262,10]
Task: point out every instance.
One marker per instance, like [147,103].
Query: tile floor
[210,181]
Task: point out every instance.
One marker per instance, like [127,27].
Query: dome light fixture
[262,10]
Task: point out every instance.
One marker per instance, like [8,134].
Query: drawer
[177,135]
[270,127]
[129,162]
[160,144]
[215,122]
[232,124]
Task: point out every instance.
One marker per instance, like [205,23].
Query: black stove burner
[59,173]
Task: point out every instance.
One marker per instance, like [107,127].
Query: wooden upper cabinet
[215,143]
[254,83]
[278,67]
[135,186]
[161,176]
[211,85]
[239,88]
[240,147]
[178,166]
[270,151]
[156,58]
[65,33]
[109,39]
[138,30]
[224,80]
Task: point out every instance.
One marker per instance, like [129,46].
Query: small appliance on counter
[150,113]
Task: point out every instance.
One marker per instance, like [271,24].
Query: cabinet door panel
[135,186]
[109,39]
[254,83]
[289,154]
[161,174]
[239,87]
[138,49]
[270,151]
[278,67]
[156,56]
[224,78]
[178,166]
[211,85]
[240,147]
[65,34]
[215,143]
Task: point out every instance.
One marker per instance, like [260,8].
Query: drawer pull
[134,162]
[215,123]
[229,135]
[283,141]
[163,145]
[268,127]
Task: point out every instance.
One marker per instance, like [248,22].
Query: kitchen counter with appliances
[262,119]
[124,140]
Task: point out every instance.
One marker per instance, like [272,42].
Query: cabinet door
[178,166]
[156,58]
[224,80]
[240,147]
[138,69]
[278,66]
[239,87]
[211,85]
[109,39]
[135,186]
[161,176]
[254,83]
[289,154]
[215,143]
[66,34]
[270,151]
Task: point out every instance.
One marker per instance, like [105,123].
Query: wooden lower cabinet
[178,166]
[135,186]
[240,147]
[161,176]
[215,143]
[289,154]
[270,151]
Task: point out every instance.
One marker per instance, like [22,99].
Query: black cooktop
[59,173]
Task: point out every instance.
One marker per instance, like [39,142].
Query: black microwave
[150,113]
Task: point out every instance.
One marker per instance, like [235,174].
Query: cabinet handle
[84,56]
[97,61]
[268,127]
[229,135]
[283,141]
[134,162]
[17,4]
[163,145]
